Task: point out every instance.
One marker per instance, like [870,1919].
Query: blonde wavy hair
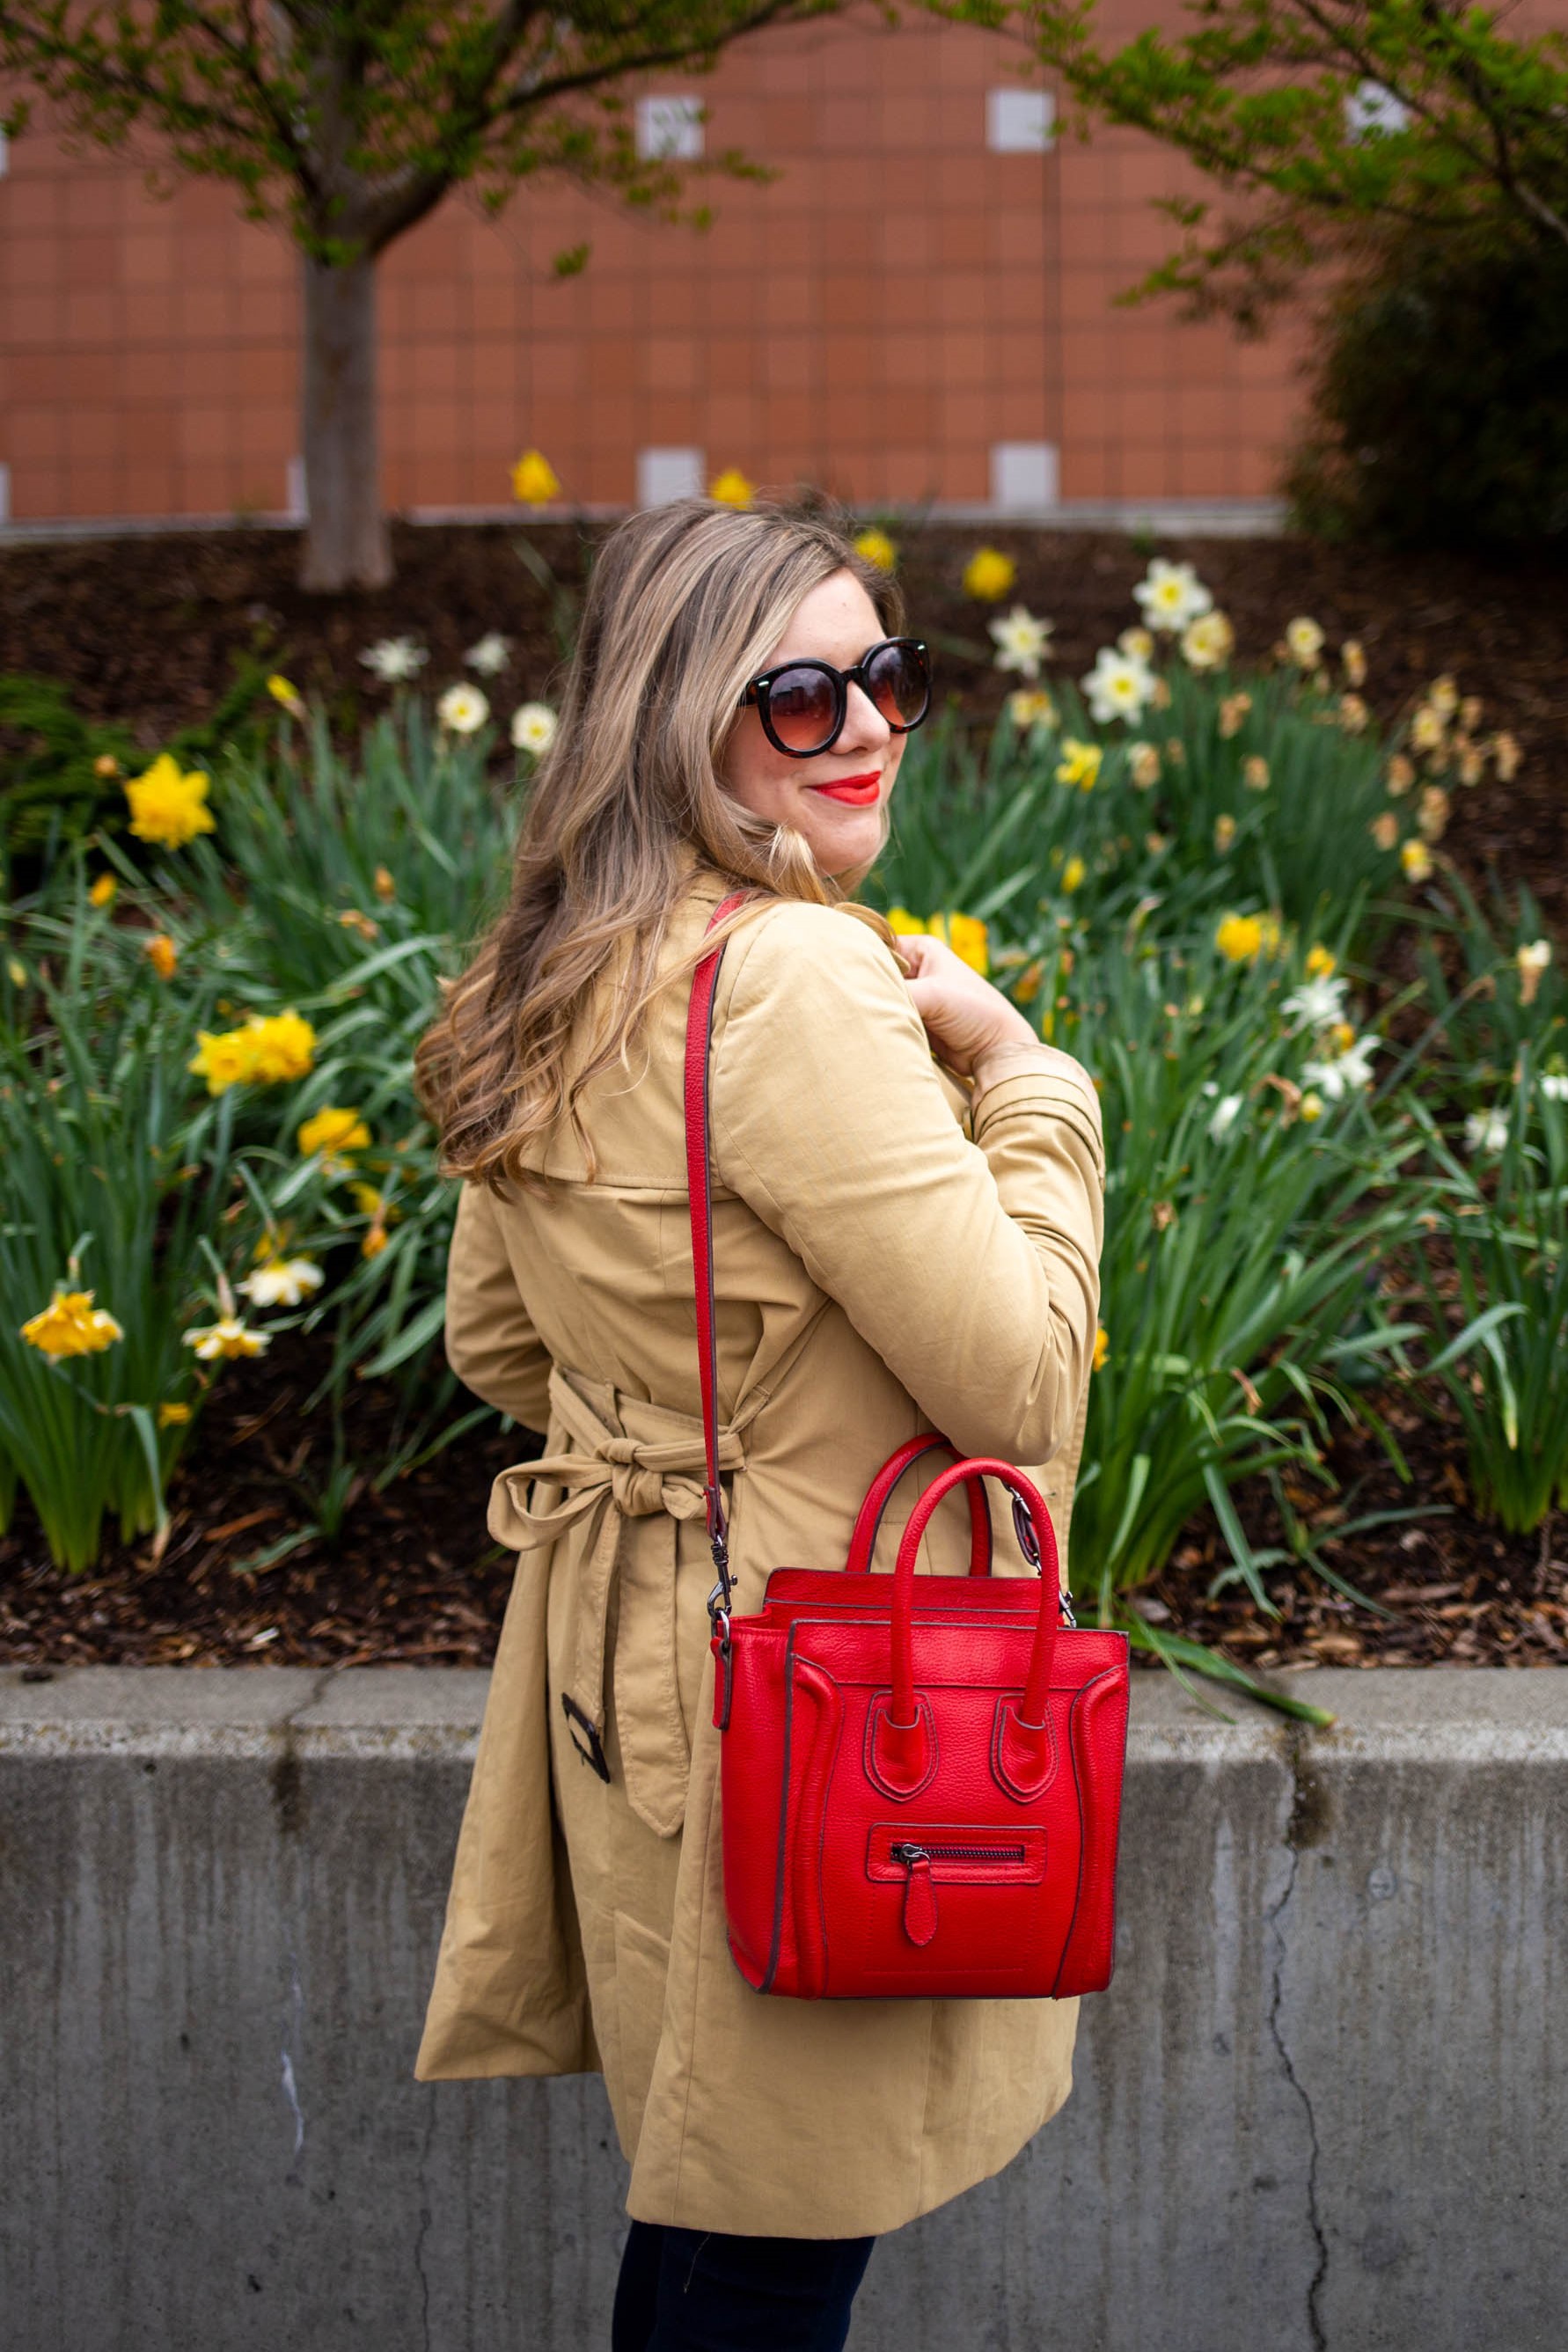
[685,603]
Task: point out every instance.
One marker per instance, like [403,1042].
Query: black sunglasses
[803,704]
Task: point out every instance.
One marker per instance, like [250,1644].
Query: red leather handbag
[920,1777]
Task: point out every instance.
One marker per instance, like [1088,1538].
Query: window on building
[670,127]
[666,474]
[1370,108]
[1020,121]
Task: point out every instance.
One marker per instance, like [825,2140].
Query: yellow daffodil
[1142,765]
[1255,774]
[967,936]
[731,488]
[1223,831]
[901,919]
[1472,760]
[1156,844]
[1081,763]
[283,1045]
[988,574]
[282,1282]
[1385,829]
[1026,987]
[334,1133]
[1304,642]
[1137,643]
[386,888]
[353,919]
[1401,775]
[1352,656]
[1031,708]
[167,806]
[1427,729]
[877,548]
[71,1325]
[172,1414]
[161,954]
[289,695]
[1073,873]
[223,1057]
[1444,696]
[1101,1346]
[1319,962]
[374,1241]
[1310,1107]
[1232,709]
[533,479]
[1507,756]
[374,1204]
[102,890]
[227,1337]
[1239,938]
[106,764]
[269,1049]
[1354,715]
[1415,858]
[1470,713]
[1533,959]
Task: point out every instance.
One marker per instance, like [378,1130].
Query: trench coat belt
[615,1473]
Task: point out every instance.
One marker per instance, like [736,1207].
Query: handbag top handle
[699,1190]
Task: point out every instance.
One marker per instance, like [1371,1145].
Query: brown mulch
[415,1578]
[147,629]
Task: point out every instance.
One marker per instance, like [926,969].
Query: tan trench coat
[877,1273]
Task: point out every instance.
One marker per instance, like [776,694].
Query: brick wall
[899,304]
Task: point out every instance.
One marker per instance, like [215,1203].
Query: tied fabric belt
[629,1461]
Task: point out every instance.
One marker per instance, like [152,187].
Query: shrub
[1439,412]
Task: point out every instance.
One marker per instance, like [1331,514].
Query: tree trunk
[347,544]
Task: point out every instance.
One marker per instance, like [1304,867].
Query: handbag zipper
[919,1888]
[908,1853]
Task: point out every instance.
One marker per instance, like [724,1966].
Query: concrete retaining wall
[1325,2104]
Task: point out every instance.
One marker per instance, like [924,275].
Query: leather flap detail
[900,1758]
[1023,1755]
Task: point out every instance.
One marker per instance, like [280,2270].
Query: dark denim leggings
[705,2291]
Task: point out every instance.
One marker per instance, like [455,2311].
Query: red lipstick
[856,791]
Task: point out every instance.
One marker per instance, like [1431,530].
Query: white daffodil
[1022,641]
[1305,640]
[1208,642]
[1138,643]
[1555,1086]
[1347,1073]
[394,658]
[281,1282]
[1225,1116]
[491,656]
[1172,594]
[533,725]
[1317,1002]
[1486,1130]
[462,710]
[1118,686]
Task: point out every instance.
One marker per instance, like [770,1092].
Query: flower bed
[1334,1090]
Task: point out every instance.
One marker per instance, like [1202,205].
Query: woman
[907,1228]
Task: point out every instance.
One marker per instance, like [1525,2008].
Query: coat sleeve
[973,1268]
[492,1343]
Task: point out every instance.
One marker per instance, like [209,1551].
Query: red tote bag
[920,1776]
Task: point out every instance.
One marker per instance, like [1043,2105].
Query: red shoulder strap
[699,1190]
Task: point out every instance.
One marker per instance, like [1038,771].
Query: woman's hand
[973,1028]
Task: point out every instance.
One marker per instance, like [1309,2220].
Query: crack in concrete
[425,2217]
[1304,1828]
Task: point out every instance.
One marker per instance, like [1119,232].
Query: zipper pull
[919,1893]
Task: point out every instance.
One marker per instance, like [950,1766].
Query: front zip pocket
[951,1855]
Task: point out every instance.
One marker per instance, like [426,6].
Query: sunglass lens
[900,684]
[802,708]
